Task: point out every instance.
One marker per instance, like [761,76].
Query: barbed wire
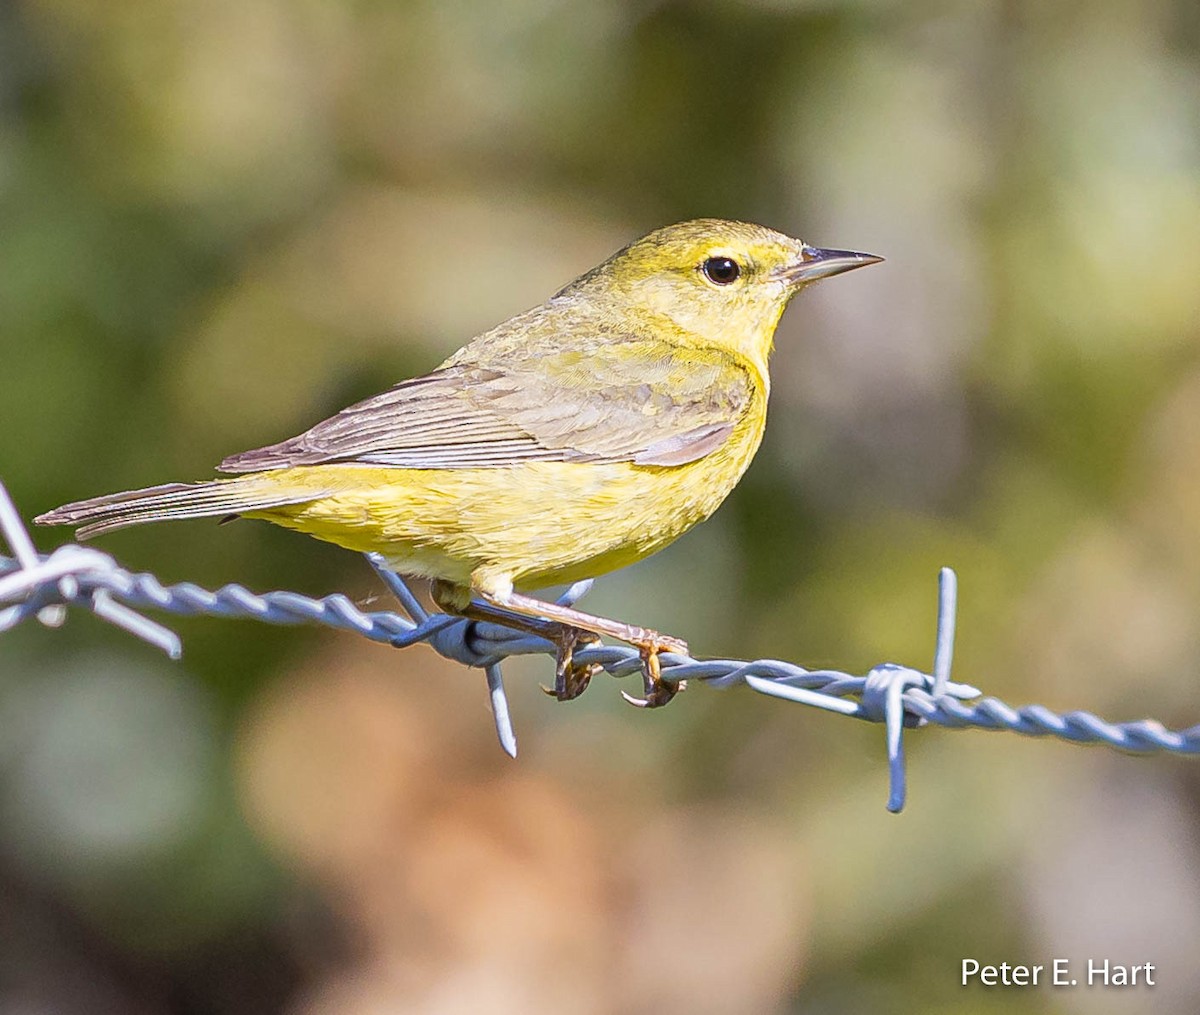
[42,586]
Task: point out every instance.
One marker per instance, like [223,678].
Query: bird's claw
[570,678]
[658,690]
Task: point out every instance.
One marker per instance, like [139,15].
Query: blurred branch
[41,586]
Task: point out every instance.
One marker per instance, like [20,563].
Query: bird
[573,439]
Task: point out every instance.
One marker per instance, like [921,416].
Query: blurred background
[221,220]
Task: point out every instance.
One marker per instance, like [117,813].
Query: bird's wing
[636,400]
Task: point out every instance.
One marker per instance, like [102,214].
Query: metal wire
[41,586]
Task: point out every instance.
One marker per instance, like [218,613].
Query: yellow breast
[538,523]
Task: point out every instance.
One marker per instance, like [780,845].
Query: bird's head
[726,283]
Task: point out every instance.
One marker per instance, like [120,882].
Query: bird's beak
[816,263]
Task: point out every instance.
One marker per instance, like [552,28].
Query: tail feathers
[172,501]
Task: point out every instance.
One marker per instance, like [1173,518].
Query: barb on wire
[41,586]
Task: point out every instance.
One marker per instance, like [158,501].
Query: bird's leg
[570,678]
[648,643]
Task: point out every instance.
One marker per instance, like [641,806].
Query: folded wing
[626,400]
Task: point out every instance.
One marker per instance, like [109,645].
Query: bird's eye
[721,270]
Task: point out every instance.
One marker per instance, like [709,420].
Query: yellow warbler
[573,439]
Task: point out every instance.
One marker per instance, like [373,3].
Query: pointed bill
[817,263]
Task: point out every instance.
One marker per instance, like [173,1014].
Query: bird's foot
[571,678]
[658,690]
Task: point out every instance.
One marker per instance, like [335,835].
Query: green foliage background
[220,220]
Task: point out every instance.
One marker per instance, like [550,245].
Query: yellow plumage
[571,440]
[539,523]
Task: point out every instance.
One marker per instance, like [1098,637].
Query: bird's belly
[536,523]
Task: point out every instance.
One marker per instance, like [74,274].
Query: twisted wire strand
[41,586]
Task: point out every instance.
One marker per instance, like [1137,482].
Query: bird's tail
[172,501]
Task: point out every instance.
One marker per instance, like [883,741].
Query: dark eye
[721,270]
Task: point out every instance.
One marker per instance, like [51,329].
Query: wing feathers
[636,400]
[685,447]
